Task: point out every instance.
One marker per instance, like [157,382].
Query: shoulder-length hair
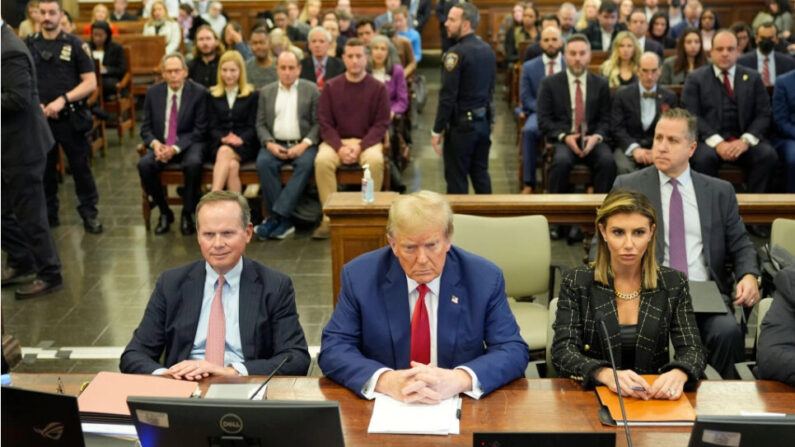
[680,63]
[166,16]
[243,87]
[612,67]
[654,17]
[620,201]
[219,50]
[392,57]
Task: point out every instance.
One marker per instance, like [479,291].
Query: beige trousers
[327,162]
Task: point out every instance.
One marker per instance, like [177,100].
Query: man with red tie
[224,315]
[318,66]
[421,320]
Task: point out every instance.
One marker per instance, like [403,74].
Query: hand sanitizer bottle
[368,196]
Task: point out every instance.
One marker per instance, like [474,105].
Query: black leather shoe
[164,223]
[92,225]
[575,235]
[38,287]
[13,276]
[187,226]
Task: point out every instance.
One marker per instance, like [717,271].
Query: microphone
[605,338]
[286,359]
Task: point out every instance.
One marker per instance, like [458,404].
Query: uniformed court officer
[464,112]
[66,77]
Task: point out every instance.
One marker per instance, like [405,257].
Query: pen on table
[458,410]
[638,388]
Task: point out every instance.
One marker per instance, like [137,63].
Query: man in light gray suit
[288,130]
[699,225]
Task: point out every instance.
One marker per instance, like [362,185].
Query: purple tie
[171,138]
[676,230]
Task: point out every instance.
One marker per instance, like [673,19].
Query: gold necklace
[628,296]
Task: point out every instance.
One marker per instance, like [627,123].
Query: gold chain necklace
[628,296]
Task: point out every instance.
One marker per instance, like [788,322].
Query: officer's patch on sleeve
[450,61]
[85,48]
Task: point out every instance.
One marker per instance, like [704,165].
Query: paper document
[392,416]
[241,391]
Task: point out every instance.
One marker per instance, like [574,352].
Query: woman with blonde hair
[622,66]
[232,115]
[100,13]
[32,22]
[588,13]
[161,24]
[641,303]
[311,13]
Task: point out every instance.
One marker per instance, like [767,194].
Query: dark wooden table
[523,405]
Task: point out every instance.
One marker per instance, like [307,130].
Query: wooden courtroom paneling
[533,405]
[245,12]
[357,227]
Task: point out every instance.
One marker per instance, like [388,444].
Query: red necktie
[171,138]
[216,330]
[551,66]
[421,329]
[766,72]
[579,108]
[728,84]
[319,77]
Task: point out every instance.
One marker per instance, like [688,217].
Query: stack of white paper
[392,416]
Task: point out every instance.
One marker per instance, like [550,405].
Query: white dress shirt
[285,123]
[556,64]
[231,95]
[607,39]
[715,139]
[432,306]
[694,244]
[760,64]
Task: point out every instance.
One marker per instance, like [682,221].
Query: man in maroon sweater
[353,112]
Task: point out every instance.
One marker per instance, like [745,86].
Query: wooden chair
[146,53]
[123,102]
[97,137]
[580,173]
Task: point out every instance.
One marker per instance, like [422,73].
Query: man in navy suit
[422,320]
[769,63]
[183,144]
[733,111]
[634,114]
[602,31]
[692,15]
[784,117]
[533,71]
[226,315]
[638,25]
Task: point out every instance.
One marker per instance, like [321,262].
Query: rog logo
[53,430]
[231,423]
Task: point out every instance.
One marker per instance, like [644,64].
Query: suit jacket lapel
[653,193]
[649,315]
[449,312]
[603,299]
[396,301]
[636,109]
[192,295]
[249,307]
[704,203]
[270,112]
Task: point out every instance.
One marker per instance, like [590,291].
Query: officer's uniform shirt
[467,80]
[69,57]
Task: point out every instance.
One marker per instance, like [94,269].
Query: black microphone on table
[286,359]
[605,338]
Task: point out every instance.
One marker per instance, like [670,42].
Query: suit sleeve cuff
[435,134]
[599,137]
[176,149]
[752,140]
[240,368]
[159,371]
[307,141]
[714,140]
[368,390]
[476,390]
[561,136]
[631,148]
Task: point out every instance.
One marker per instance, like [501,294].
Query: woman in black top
[113,65]
[232,113]
[658,30]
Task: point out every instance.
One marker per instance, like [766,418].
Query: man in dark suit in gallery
[174,127]
[733,111]
[225,315]
[638,26]
[770,64]
[26,138]
[602,31]
[422,320]
[634,114]
[699,228]
[318,66]
[574,111]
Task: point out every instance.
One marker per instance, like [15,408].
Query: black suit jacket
[625,122]
[113,60]
[666,311]
[554,105]
[775,354]
[240,119]
[192,115]
[701,96]
[784,62]
[423,13]
[334,67]
[654,47]
[26,136]
[594,34]
[722,230]
[269,327]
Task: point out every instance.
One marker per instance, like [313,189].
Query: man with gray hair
[173,129]
[318,66]
[225,315]
[422,320]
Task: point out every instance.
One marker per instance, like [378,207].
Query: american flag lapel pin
[454,299]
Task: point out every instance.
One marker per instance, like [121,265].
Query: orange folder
[644,412]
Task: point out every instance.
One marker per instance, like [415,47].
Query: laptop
[34,418]
[544,439]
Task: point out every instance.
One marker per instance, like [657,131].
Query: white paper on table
[392,416]
[126,430]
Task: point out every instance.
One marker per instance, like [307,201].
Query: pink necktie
[421,329]
[766,72]
[579,108]
[216,330]
[171,138]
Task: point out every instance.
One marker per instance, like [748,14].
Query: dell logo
[53,430]
[231,423]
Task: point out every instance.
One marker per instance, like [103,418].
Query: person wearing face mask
[766,60]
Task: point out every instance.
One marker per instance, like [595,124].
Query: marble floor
[108,278]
